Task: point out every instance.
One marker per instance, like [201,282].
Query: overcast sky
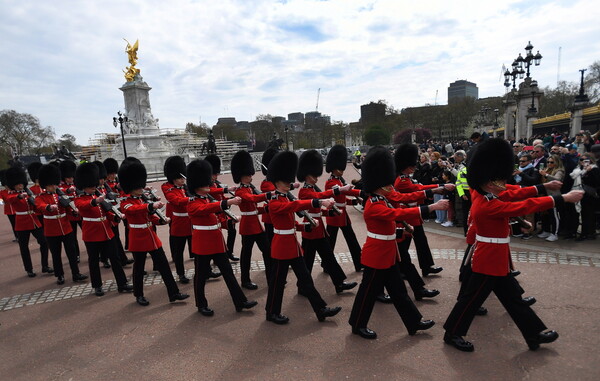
[63,61]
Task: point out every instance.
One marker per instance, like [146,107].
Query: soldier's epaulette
[306,185]
[490,196]
[377,198]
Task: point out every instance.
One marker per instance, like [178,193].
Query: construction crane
[558,67]
[318,94]
[435,102]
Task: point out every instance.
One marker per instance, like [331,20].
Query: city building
[462,89]
[372,113]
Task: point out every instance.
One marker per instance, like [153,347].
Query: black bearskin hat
[49,175]
[174,168]
[266,159]
[33,170]
[132,176]
[199,174]
[101,169]
[15,175]
[67,169]
[378,169]
[310,163]
[215,162]
[337,158]
[86,176]
[3,177]
[241,165]
[283,167]
[111,165]
[492,160]
[406,155]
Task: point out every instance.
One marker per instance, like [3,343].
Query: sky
[63,61]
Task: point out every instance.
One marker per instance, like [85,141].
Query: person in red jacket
[96,231]
[489,169]
[57,228]
[67,172]
[267,186]
[336,165]
[9,211]
[285,248]
[26,220]
[310,167]
[242,170]
[207,238]
[406,157]
[142,236]
[380,256]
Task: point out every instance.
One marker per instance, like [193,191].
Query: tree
[405,136]
[592,82]
[200,130]
[23,133]
[559,99]
[68,141]
[376,135]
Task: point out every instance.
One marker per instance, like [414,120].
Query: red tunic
[249,223]
[404,184]
[218,193]
[96,222]
[26,216]
[55,223]
[266,186]
[36,189]
[308,192]
[284,244]
[72,196]
[177,202]
[8,209]
[340,201]
[400,200]
[142,236]
[207,237]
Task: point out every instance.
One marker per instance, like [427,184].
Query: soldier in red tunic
[242,170]
[26,220]
[380,256]
[110,186]
[142,236]
[285,248]
[336,165]
[67,172]
[490,167]
[267,186]
[309,169]
[96,231]
[9,211]
[57,228]
[207,239]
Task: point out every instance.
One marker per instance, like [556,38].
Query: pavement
[51,332]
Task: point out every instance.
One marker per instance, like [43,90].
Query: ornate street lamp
[519,63]
[122,119]
[532,109]
[582,97]
[496,111]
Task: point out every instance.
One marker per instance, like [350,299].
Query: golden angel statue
[131,51]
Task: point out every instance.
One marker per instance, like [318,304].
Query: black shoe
[48,270]
[60,280]
[206,311]
[99,291]
[214,275]
[570,236]
[142,301]
[458,342]
[481,311]
[145,273]
[79,277]
[125,288]
[541,338]
[357,269]
[106,265]
[515,272]
[530,300]
[327,312]
[178,296]
[232,257]
[278,318]
[345,286]
[384,298]
[250,285]
[365,333]
[128,262]
[422,326]
[431,270]
[183,279]
[246,305]
[31,274]
[425,293]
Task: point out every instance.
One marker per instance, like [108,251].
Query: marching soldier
[489,169]
[380,255]
[207,239]
[111,186]
[9,211]
[67,172]
[285,248]
[267,186]
[143,238]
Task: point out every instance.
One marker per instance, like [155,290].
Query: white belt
[284,232]
[94,219]
[315,215]
[176,214]
[55,217]
[24,213]
[140,226]
[383,237]
[252,213]
[203,227]
[492,239]
[340,204]
[412,204]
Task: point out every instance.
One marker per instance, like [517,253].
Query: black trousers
[177,246]
[589,207]
[12,218]
[55,245]
[74,225]
[569,219]
[478,288]
[246,255]
[270,232]
[203,270]
[279,273]
[160,263]
[328,261]
[231,233]
[408,268]
[106,248]
[23,237]
[351,241]
[422,248]
[119,245]
[373,281]
[466,208]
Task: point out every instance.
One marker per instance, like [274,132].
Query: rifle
[218,183]
[108,207]
[335,209]
[227,212]
[31,198]
[64,200]
[302,213]
[159,214]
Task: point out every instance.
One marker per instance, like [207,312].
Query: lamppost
[582,97]
[287,147]
[517,66]
[532,109]
[122,119]
[496,111]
